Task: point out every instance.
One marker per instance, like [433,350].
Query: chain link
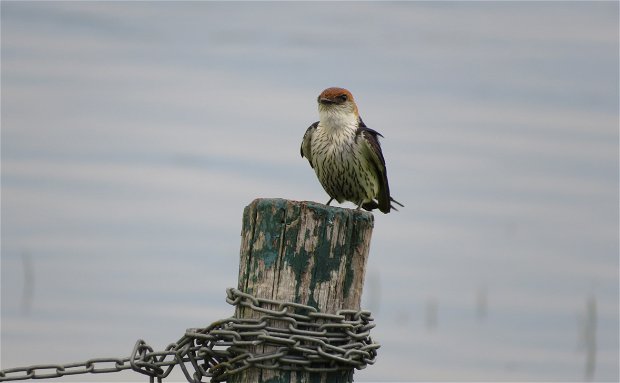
[298,337]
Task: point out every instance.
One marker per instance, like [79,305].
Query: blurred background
[134,134]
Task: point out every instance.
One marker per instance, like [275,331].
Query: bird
[346,155]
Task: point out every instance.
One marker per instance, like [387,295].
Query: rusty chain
[290,337]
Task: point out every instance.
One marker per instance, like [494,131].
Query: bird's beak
[324,100]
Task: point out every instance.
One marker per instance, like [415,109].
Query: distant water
[134,133]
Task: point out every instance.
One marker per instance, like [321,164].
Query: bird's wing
[306,143]
[372,150]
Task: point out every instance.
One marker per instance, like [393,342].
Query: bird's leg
[330,201]
[359,207]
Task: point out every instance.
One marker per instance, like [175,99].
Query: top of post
[319,209]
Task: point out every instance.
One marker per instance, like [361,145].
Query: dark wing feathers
[306,143]
[371,140]
[364,127]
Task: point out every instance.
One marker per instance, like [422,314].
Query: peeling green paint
[270,214]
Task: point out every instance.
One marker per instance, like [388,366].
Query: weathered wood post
[305,253]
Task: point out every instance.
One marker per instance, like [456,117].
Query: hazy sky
[134,134]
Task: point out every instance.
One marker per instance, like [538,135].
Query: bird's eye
[343,97]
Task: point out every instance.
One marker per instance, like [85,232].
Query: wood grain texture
[307,253]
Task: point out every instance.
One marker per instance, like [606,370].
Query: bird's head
[337,101]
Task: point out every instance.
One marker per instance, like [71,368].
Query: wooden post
[307,253]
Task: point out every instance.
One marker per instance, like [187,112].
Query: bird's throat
[338,122]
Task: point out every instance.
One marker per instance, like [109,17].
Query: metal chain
[290,337]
